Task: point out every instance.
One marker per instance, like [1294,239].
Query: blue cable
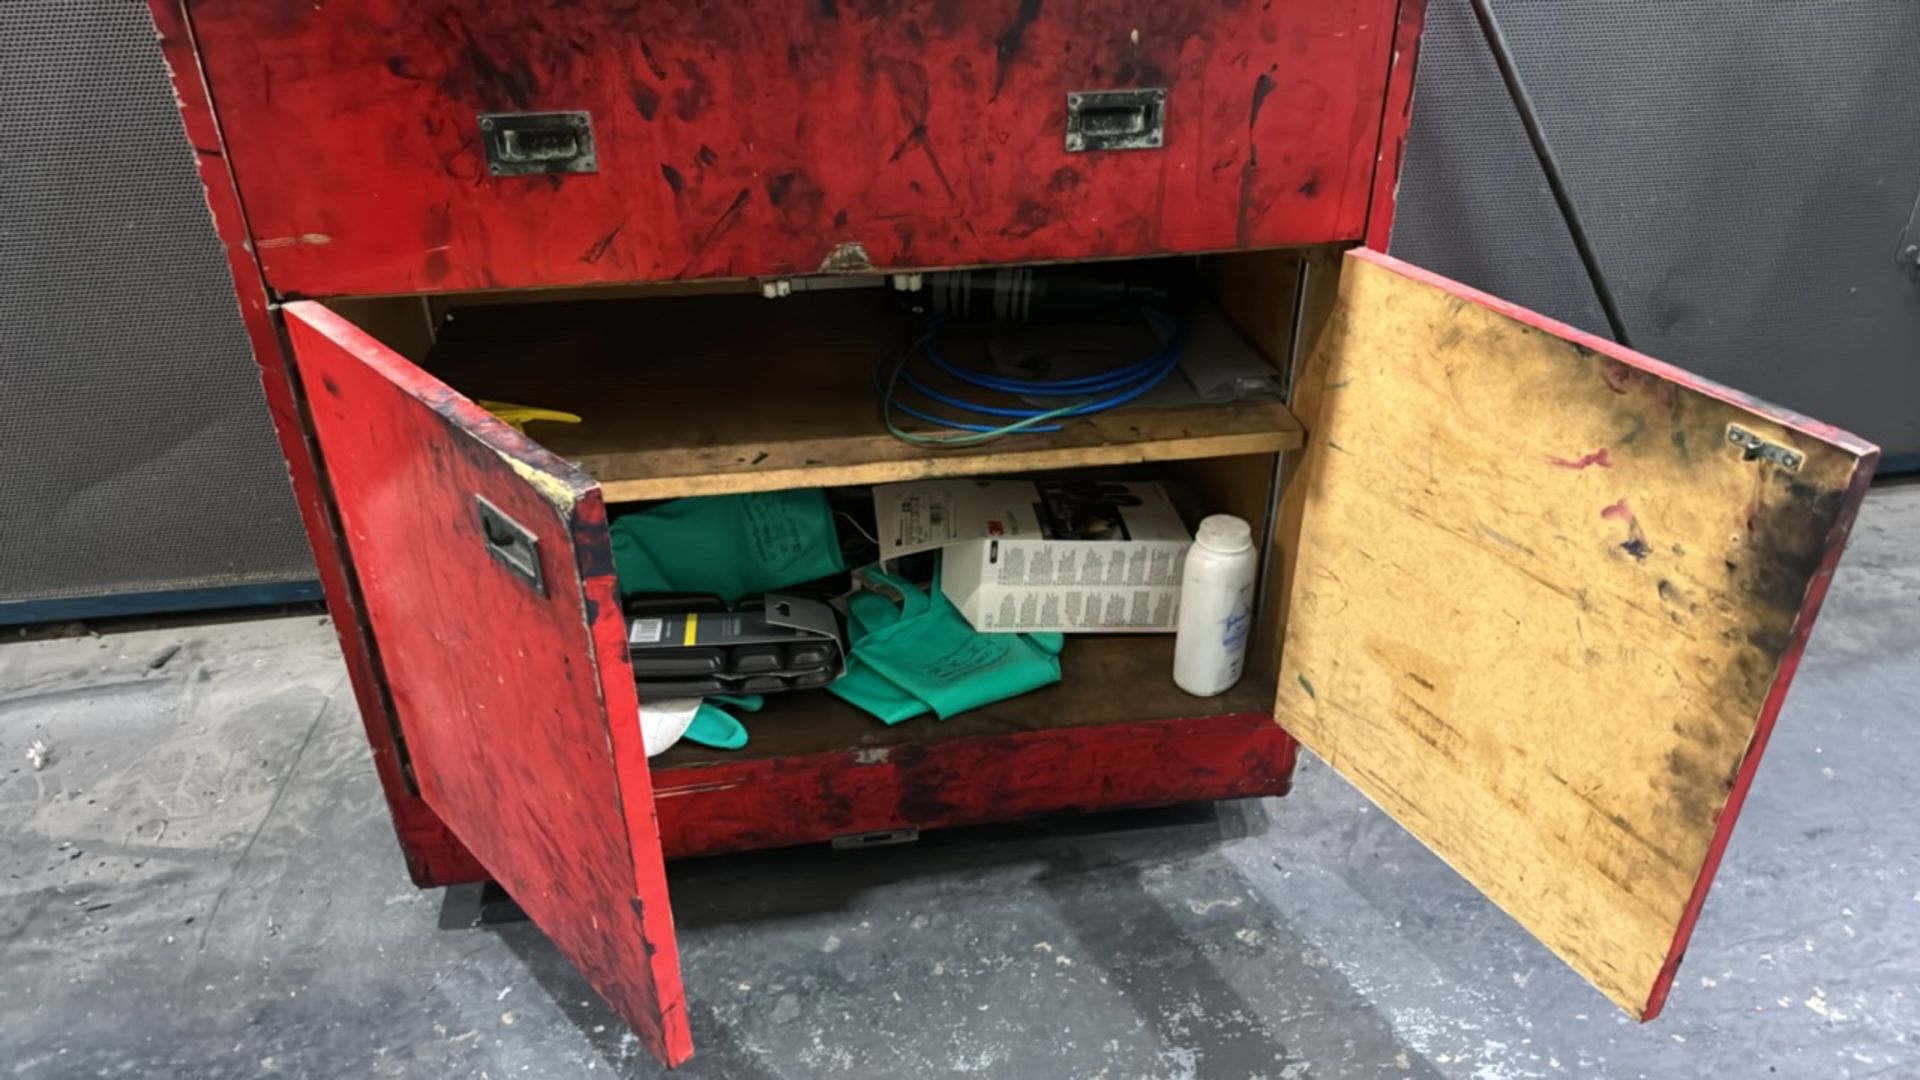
[1086,409]
[962,425]
[1086,384]
[1131,381]
[888,402]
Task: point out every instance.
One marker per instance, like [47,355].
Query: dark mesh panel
[1745,171]
[135,450]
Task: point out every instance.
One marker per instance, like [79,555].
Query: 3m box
[1071,556]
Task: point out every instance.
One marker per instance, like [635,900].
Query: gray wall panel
[135,450]
[1744,169]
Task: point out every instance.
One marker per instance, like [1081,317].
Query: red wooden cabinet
[1538,596]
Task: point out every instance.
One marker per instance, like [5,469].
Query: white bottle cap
[1223,533]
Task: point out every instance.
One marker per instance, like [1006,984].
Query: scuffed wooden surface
[516,705]
[1542,612]
[733,394]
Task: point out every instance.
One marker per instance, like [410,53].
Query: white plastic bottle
[1216,607]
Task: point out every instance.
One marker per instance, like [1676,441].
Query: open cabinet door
[1546,599]
[487,575]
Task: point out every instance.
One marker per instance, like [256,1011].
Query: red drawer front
[782,801]
[773,137]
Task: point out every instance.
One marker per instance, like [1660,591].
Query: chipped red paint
[767,138]
[517,704]
[775,802]
[434,856]
[1397,120]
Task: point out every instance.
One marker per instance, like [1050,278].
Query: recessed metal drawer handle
[1116,120]
[510,543]
[533,144]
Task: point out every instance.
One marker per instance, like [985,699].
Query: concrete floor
[201,882]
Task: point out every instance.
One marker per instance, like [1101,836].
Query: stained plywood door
[1546,596]
[487,579]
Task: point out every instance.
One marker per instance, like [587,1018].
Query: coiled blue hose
[1121,385]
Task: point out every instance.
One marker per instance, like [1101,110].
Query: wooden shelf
[702,395]
[1105,679]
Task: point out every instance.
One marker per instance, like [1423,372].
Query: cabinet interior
[710,388]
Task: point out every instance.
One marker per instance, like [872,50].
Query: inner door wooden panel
[1546,600]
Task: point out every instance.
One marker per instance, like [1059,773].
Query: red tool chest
[1540,597]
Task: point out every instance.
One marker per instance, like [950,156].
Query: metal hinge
[1757,448]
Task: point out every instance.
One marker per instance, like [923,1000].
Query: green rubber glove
[715,727]
[729,545]
[923,651]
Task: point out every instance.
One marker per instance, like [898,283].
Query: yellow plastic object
[520,415]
